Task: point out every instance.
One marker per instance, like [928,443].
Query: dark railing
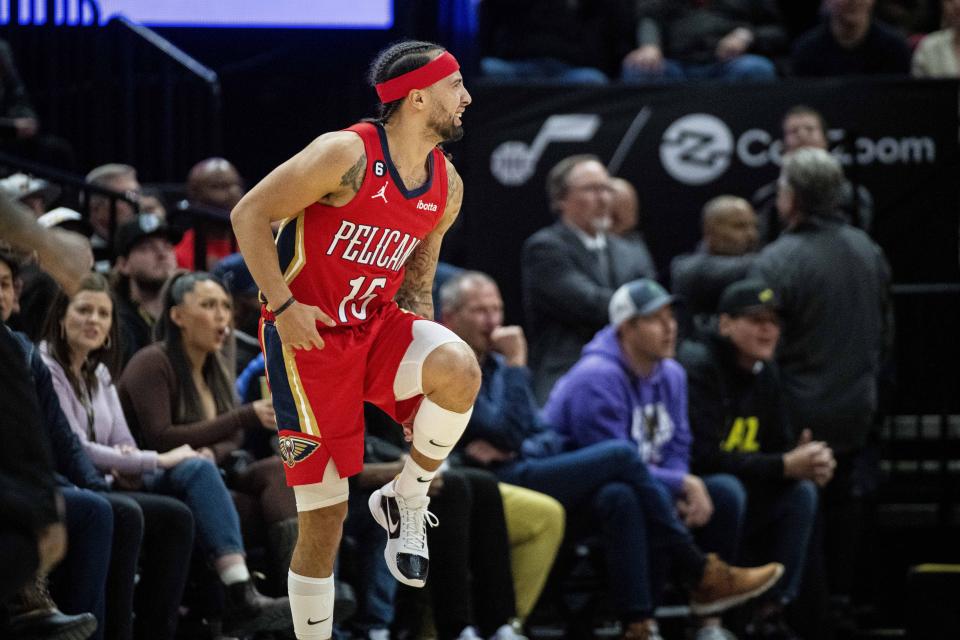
[75,193]
[119,93]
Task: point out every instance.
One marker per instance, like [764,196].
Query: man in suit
[571,269]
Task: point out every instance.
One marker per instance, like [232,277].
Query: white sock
[311,603]
[413,480]
[235,573]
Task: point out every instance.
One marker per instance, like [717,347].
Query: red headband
[437,69]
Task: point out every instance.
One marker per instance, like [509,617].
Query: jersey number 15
[357,307]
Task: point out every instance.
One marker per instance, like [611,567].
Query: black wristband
[286,305]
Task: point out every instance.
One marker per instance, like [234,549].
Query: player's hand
[297,326]
[695,507]
[511,343]
[266,414]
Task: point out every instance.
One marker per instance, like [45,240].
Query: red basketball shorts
[318,395]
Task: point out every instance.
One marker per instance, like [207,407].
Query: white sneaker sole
[719,606]
[374,504]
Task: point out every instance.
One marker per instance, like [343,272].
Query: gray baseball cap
[637,298]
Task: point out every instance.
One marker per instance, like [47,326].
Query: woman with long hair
[178,391]
[81,336]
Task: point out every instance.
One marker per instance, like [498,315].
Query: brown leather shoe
[723,586]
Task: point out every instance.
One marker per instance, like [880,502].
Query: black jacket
[737,417]
[883,51]
[690,34]
[28,496]
[833,283]
[71,462]
[565,297]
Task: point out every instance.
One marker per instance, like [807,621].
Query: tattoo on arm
[416,292]
[353,178]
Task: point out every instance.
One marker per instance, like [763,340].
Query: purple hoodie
[601,398]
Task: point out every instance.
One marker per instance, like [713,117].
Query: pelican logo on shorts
[294,449]
[379,169]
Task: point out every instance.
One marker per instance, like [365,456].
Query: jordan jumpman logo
[382,193]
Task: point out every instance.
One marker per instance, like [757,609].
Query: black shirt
[737,417]
[882,51]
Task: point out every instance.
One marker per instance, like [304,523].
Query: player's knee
[452,376]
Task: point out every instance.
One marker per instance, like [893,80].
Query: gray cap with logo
[637,298]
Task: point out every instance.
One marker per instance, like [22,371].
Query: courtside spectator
[628,388]
[740,426]
[233,272]
[833,284]
[938,54]
[724,256]
[571,268]
[693,40]
[625,220]
[35,193]
[144,261]
[850,42]
[88,517]
[805,128]
[215,186]
[122,179]
[179,391]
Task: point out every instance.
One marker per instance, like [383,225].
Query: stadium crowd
[665,420]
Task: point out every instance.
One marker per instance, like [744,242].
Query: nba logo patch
[294,449]
[379,168]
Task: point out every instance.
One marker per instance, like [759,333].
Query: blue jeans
[781,521]
[198,483]
[80,582]
[743,68]
[636,511]
[544,69]
[723,533]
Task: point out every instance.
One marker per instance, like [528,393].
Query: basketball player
[347,314]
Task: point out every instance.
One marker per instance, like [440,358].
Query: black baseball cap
[145,225]
[747,296]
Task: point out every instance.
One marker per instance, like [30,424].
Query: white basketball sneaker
[405,521]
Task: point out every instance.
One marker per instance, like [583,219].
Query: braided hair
[396,60]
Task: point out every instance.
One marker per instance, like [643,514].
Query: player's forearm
[18,225]
[417,299]
[255,239]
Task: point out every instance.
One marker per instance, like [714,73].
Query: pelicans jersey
[349,261]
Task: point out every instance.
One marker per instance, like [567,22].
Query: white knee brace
[436,430]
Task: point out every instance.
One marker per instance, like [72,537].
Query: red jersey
[349,260]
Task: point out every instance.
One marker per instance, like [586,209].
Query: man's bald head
[729,226]
[215,182]
[625,208]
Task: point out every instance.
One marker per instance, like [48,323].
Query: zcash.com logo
[696,149]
